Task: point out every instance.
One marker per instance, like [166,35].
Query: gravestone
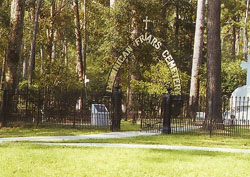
[200,116]
[240,99]
[99,115]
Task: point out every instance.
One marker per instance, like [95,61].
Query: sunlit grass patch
[47,131]
[23,130]
[35,160]
[180,140]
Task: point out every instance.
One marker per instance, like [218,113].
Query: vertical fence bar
[243,116]
[235,119]
[247,127]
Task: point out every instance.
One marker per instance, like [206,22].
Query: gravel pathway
[110,135]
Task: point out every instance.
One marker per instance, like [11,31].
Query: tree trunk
[177,21]
[33,45]
[197,57]
[234,35]
[238,47]
[112,2]
[85,34]
[163,16]
[3,70]
[65,48]
[245,37]
[213,109]
[132,69]
[42,59]
[78,41]
[15,42]
[51,30]
[25,68]
[233,42]
[54,45]
[13,54]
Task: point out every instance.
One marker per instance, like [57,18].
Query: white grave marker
[99,115]
[240,102]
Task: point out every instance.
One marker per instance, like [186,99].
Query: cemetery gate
[151,110]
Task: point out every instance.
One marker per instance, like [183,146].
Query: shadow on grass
[191,152]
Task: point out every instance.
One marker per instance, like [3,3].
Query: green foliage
[110,30]
[149,77]
[232,77]
[157,79]
[4,25]
[58,76]
[232,18]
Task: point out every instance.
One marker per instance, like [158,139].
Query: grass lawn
[182,140]
[43,131]
[23,130]
[44,161]
[173,139]
[25,160]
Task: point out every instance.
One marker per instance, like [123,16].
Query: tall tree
[78,41]
[3,71]
[112,2]
[51,31]
[197,56]
[234,18]
[14,51]
[213,111]
[33,44]
[85,34]
[4,33]
[132,64]
[245,35]
[15,42]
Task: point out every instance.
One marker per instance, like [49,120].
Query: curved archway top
[163,54]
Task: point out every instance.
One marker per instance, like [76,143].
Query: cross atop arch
[146,21]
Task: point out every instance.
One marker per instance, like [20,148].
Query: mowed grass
[26,130]
[179,140]
[46,161]
[43,131]
[202,140]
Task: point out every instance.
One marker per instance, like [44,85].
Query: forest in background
[75,39]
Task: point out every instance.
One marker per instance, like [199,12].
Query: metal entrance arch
[147,108]
[163,54]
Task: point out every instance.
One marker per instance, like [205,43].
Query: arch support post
[117,109]
[166,107]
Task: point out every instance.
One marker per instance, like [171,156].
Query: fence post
[117,109]
[166,106]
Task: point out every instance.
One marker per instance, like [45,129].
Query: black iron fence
[52,107]
[56,107]
[233,121]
